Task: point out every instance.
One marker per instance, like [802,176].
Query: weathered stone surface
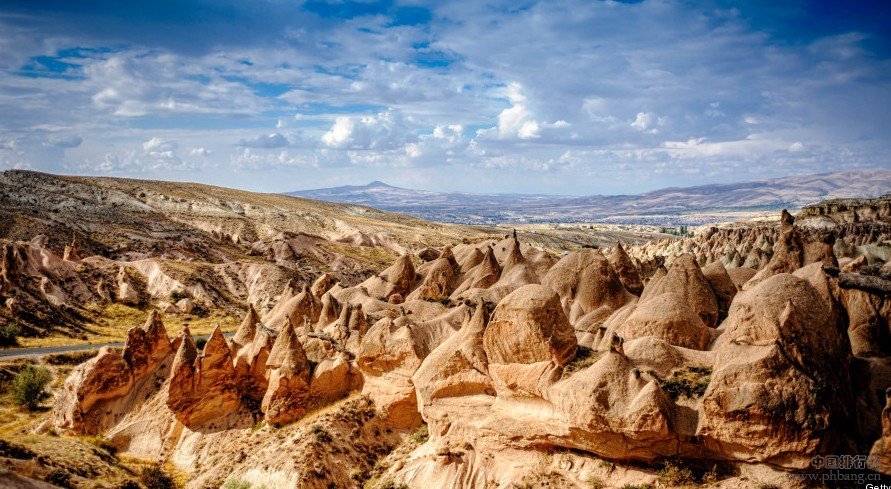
[529,326]
[587,284]
[626,269]
[686,279]
[771,398]
[202,387]
[287,396]
[665,316]
[78,405]
[147,347]
[722,285]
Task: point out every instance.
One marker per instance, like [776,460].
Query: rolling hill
[688,205]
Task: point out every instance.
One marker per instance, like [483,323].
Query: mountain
[688,205]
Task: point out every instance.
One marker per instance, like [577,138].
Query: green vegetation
[689,382]
[9,334]
[321,435]
[681,230]
[594,482]
[155,477]
[421,435]
[29,388]
[584,357]
[676,474]
[237,484]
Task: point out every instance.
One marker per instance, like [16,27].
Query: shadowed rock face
[685,279]
[202,387]
[588,287]
[148,346]
[106,376]
[626,270]
[439,278]
[666,316]
[247,330]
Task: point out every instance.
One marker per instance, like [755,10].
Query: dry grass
[377,258]
[111,323]
[584,358]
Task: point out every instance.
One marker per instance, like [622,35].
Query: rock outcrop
[287,396]
[626,269]
[529,326]
[793,406]
[202,386]
[685,279]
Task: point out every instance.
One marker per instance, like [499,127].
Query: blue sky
[558,97]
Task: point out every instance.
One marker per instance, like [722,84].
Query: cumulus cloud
[384,130]
[274,140]
[250,159]
[647,122]
[157,154]
[446,144]
[518,120]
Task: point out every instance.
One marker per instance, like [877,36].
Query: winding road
[19,353]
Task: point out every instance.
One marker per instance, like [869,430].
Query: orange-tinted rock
[287,396]
[79,404]
[147,347]
[626,270]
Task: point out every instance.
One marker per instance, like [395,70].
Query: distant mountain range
[671,206]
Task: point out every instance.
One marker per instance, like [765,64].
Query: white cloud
[274,140]
[159,145]
[553,99]
[647,122]
[382,131]
[251,159]
[518,120]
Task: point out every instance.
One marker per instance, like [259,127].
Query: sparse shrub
[128,484]
[584,357]
[711,476]
[176,296]
[103,444]
[690,382]
[389,484]
[676,474]
[421,435]
[155,477]
[28,389]
[9,334]
[594,482]
[59,478]
[236,484]
[321,435]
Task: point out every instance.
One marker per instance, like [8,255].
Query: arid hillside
[78,252]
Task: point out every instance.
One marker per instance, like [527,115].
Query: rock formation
[202,386]
[286,397]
